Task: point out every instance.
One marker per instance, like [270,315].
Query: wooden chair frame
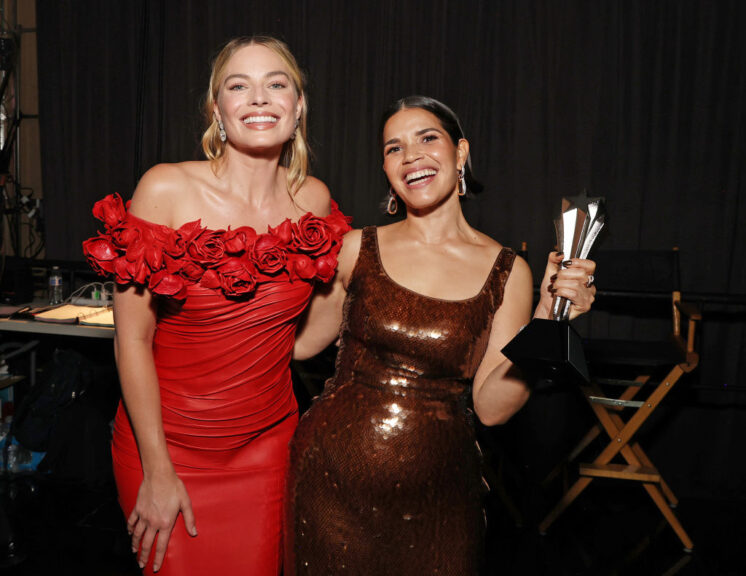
[637,465]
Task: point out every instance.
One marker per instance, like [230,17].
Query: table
[52,328]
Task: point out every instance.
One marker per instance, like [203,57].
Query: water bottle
[55,286]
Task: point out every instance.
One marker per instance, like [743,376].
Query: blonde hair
[295,152]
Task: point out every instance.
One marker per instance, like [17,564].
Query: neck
[438,224]
[256,177]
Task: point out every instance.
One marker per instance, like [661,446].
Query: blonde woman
[215,261]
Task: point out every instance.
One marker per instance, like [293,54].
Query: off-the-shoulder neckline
[198,222]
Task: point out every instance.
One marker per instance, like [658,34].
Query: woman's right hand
[160,499]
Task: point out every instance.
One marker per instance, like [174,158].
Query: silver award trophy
[552,349]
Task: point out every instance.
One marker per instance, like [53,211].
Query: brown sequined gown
[385,472]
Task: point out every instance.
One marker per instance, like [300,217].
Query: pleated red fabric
[227,315]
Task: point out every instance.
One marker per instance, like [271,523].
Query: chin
[262,146]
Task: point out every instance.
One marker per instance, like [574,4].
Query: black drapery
[641,102]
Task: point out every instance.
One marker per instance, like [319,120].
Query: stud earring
[221,132]
[462,181]
[392,205]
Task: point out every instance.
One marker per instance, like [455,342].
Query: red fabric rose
[237,276]
[268,254]
[165,284]
[153,253]
[187,232]
[100,253]
[110,210]
[207,248]
[126,233]
[210,279]
[190,270]
[134,270]
[283,232]
[312,235]
[326,266]
[233,261]
[301,266]
[239,240]
[338,222]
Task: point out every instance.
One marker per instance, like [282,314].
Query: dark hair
[448,120]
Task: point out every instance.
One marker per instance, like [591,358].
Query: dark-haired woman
[216,261]
[385,474]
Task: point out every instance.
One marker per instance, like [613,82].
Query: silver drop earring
[221,132]
[462,181]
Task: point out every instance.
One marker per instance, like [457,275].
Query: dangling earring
[221,131]
[462,182]
[393,205]
[295,130]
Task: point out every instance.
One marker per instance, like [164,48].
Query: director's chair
[641,372]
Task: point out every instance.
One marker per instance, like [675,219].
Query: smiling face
[420,159]
[257,99]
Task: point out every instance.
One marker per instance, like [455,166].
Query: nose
[259,96]
[412,153]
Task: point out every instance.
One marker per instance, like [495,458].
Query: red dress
[228,306]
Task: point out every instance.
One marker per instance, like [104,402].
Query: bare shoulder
[163,189]
[521,268]
[314,197]
[520,275]
[348,254]
[520,279]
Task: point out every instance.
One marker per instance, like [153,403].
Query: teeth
[420,174]
[256,119]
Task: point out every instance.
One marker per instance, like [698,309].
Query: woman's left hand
[573,280]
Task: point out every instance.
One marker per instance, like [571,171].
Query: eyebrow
[267,75]
[418,133]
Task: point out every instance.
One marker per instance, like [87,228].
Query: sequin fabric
[385,470]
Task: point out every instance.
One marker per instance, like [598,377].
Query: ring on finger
[590,280]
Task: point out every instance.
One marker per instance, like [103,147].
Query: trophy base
[550,350]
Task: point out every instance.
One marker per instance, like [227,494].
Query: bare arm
[499,390]
[161,495]
[323,318]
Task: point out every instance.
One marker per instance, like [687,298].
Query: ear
[462,151]
[216,113]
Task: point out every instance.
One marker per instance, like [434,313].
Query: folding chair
[642,372]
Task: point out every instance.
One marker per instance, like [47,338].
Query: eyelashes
[272,86]
[431,137]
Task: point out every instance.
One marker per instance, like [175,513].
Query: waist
[403,382]
[217,423]
[189,451]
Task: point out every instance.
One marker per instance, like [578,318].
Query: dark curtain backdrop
[641,102]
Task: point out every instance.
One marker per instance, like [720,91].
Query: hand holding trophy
[552,349]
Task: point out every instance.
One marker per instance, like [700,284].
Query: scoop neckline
[434,298]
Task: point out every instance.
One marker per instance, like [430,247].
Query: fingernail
[567,263]
[156,568]
[560,253]
[553,278]
[141,564]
